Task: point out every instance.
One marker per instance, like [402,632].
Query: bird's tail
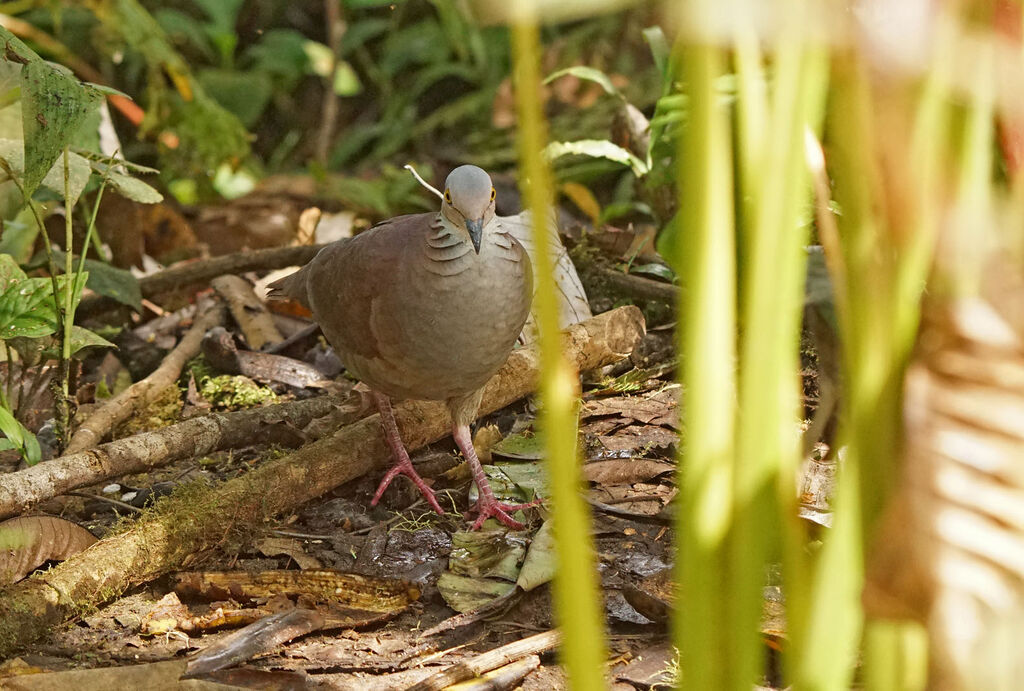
[291,286]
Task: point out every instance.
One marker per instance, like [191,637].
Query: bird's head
[469,201]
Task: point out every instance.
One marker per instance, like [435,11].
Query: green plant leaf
[109,281]
[79,169]
[660,50]
[81,338]
[346,81]
[27,309]
[54,106]
[597,148]
[19,437]
[591,74]
[134,189]
[245,94]
[10,272]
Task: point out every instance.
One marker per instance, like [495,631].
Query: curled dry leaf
[950,550]
[29,542]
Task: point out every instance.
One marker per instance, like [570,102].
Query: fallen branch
[139,453]
[493,659]
[635,286]
[249,312]
[125,404]
[184,524]
[204,270]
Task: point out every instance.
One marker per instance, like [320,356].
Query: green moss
[234,392]
[164,410]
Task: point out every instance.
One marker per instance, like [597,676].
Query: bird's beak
[476,231]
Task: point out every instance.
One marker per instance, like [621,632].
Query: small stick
[249,312]
[123,406]
[422,181]
[485,662]
[507,677]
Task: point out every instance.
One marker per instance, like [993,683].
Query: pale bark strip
[122,406]
[182,525]
[493,659]
[249,312]
[139,453]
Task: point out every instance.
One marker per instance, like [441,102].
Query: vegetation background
[734,136]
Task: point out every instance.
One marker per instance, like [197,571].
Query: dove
[425,306]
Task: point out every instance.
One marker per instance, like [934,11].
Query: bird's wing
[346,278]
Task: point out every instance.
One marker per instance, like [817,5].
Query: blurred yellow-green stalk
[578,606]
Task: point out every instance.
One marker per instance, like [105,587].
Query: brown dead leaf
[639,438]
[641,409]
[165,616]
[625,471]
[28,542]
[273,546]
[950,548]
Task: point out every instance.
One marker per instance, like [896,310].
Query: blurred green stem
[577,600]
[707,328]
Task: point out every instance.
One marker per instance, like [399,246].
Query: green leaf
[14,46]
[521,447]
[541,559]
[19,235]
[54,106]
[109,281]
[346,81]
[245,94]
[27,309]
[597,148]
[660,51]
[134,189]
[590,74]
[10,272]
[12,151]
[464,594]
[19,437]
[81,338]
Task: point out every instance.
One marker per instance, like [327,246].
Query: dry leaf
[950,549]
[625,471]
[273,546]
[29,542]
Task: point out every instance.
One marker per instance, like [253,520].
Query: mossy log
[190,522]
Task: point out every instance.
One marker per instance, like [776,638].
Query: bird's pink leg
[486,505]
[402,465]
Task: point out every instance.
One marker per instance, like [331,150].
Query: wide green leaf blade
[54,106]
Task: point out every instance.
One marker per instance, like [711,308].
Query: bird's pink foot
[403,466]
[489,507]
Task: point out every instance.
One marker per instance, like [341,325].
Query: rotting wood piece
[277,424]
[201,271]
[354,590]
[249,312]
[185,523]
[125,404]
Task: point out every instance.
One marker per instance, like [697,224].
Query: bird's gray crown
[469,190]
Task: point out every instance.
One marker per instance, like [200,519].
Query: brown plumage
[425,306]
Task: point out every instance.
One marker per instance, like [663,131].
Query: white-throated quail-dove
[425,306]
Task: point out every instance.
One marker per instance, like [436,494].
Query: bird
[425,306]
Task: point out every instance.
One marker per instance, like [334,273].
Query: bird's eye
[492,194]
[448,196]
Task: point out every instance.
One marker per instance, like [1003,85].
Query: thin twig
[109,500]
[422,181]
